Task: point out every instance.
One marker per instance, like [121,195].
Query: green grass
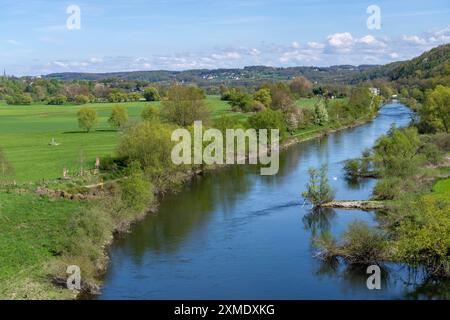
[442,187]
[31,229]
[26,132]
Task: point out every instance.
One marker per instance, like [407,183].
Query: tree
[397,153]
[87,118]
[318,190]
[149,143]
[119,116]
[301,87]
[263,96]
[240,100]
[136,190]
[436,110]
[150,113]
[81,99]
[19,98]
[151,94]
[320,114]
[268,119]
[281,98]
[58,99]
[184,105]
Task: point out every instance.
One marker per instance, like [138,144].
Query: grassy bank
[42,235]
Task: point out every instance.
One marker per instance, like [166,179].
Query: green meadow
[26,133]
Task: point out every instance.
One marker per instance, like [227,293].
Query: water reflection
[233,234]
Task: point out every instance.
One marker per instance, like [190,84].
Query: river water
[233,234]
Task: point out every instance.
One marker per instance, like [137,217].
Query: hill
[235,77]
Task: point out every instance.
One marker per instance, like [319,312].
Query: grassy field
[26,131]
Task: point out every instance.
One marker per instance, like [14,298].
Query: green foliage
[136,190]
[58,99]
[424,238]
[268,119]
[320,114]
[396,153]
[150,113]
[184,105]
[119,116]
[81,99]
[87,118]
[435,113]
[149,143]
[388,188]
[223,123]
[362,244]
[263,96]
[19,99]
[240,101]
[318,190]
[151,94]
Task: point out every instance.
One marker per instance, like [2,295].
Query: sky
[44,36]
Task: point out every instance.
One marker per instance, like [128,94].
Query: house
[375,91]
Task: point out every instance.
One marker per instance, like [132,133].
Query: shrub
[119,117]
[81,99]
[136,191]
[388,188]
[268,119]
[362,244]
[151,94]
[19,99]
[58,99]
[150,113]
[320,114]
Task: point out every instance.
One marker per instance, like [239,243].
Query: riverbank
[106,222]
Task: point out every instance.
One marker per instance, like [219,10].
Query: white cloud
[337,48]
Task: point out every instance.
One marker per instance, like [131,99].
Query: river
[233,234]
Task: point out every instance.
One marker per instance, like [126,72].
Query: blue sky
[186,34]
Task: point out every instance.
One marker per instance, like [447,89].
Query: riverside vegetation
[42,234]
[413,167]
[131,172]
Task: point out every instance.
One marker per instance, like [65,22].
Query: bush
[320,114]
[119,117]
[136,191]
[149,143]
[268,119]
[81,99]
[424,239]
[151,94]
[19,99]
[150,113]
[388,188]
[59,99]
[362,244]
